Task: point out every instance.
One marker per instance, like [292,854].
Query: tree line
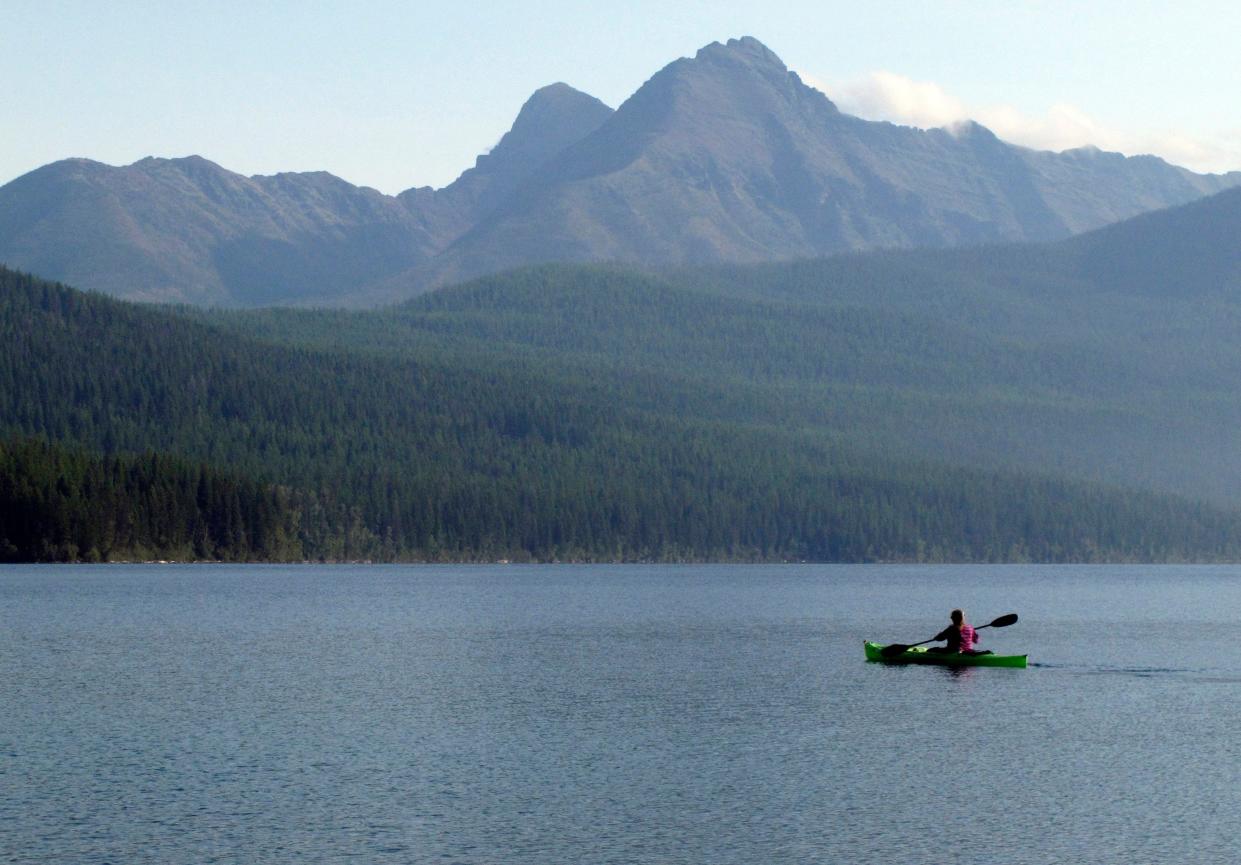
[119,416]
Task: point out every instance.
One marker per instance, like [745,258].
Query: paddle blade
[893,650]
[1003,621]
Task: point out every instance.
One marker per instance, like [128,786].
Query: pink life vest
[969,637]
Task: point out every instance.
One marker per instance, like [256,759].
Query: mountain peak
[722,155]
[191,162]
[740,72]
[559,92]
[972,131]
[553,117]
[740,77]
[747,50]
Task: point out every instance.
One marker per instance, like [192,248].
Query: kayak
[919,655]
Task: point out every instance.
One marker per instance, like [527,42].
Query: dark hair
[957,616]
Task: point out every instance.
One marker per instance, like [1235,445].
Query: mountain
[187,230]
[728,156]
[1193,250]
[723,157]
[553,118]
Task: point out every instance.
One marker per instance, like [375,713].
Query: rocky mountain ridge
[723,157]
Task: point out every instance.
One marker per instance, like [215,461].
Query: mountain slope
[553,118]
[723,157]
[187,230]
[448,452]
[1050,357]
[63,504]
[1193,250]
[728,156]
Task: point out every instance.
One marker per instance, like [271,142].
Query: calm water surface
[196,714]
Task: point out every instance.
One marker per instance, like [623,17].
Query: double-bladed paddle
[898,648]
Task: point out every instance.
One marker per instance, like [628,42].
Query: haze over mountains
[1109,356]
[723,157]
[1066,401]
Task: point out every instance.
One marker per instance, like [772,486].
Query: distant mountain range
[723,157]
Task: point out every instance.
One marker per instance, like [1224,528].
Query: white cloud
[889,96]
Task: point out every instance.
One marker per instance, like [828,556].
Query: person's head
[958,617]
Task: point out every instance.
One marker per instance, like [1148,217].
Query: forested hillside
[64,504]
[444,442]
[1006,357]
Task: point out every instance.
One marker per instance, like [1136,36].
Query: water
[196,714]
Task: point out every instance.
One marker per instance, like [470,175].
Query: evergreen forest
[852,409]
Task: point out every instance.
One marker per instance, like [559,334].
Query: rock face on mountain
[730,157]
[726,156]
[187,230]
[552,119]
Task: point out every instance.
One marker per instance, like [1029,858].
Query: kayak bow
[919,655]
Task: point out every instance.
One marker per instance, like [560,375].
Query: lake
[614,714]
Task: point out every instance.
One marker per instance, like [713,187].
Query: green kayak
[919,655]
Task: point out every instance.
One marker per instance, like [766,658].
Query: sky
[394,95]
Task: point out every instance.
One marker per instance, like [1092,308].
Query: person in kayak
[961,637]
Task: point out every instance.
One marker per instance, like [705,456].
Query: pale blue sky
[394,95]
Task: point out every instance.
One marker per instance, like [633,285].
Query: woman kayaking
[961,637]
[959,652]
